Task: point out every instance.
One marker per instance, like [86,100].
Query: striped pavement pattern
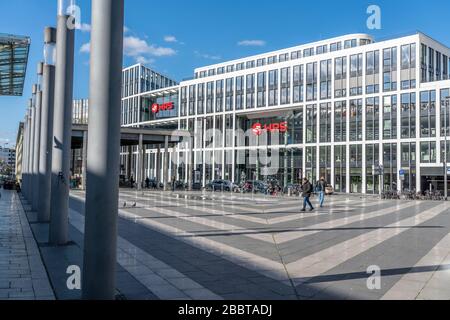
[229,246]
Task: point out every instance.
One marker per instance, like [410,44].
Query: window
[408,115]
[311,123]
[209,97]
[239,93]
[390,166]
[192,100]
[428,114]
[285,86]
[335,46]
[356,74]
[438,66]
[298,82]
[322,49]
[390,117]
[445,66]
[219,96]
[372,159]
[423,62]
[296,55]
[340,167]
[261,62]
[311,81]
[356,120]
[408,66]
[201,98]
[240,66]
[372,72]
[325,122]
[272,60]
[428,152]
[250,91]
[445,112]
[262,87]
[283,57]
[390,69]
[229,94]
[430,64]
[325,79]
[273,88]
[340,76]
[230,68]
[250,64]
[183,109]
[372,119]
[340,121]
[308,52]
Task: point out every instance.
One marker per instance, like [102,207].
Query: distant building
[8,157]
[19,152]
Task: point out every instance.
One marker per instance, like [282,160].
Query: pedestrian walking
[321,187]
[147,183]
[307,189]
[173,183]
[132,182]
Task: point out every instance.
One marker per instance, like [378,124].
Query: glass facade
[337,110]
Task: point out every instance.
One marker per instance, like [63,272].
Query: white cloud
[134,47]
[85,27]
[126,29]
[144,60]
[252,43]
[86,48]
[139,49]
[171,39]
[207,56]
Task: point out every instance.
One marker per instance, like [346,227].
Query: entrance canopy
[13,64]
[130,136]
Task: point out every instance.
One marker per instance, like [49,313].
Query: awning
[14,52]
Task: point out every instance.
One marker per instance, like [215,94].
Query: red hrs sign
[156,108]
[258,128]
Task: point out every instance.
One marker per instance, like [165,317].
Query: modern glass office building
[361,113]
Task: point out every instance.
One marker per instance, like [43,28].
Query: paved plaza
[22,273]
[232,246]
[188,245]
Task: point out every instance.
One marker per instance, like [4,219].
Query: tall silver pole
[445,157]
[103,163]
[25,154]
[33,135]
[62,127]
[27,159]
[48,96]
[37,140]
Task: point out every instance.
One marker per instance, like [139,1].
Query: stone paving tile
[19,255]
[232,264]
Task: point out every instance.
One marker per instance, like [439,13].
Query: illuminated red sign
[162,107]
[258,128]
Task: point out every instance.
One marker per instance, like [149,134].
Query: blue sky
[174,37]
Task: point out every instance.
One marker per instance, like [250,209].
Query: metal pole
[445,157]
[36,148]
[140,162]
[84,159]
[48,95]
[166,164]
[62,128]
[27,159]
[37,141]
[33,135]
[25,154]
[102,193]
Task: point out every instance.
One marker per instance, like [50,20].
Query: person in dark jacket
[307,189]
[321,187]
